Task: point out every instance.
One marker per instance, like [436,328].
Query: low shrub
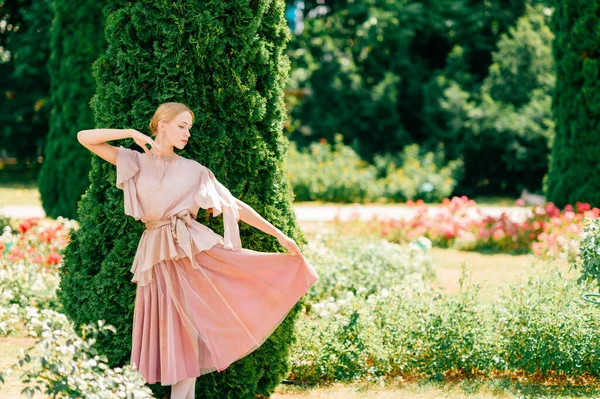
[538,327]
[336,173]
[68,366]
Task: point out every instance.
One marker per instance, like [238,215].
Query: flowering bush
[459,223]
[35,241]
[412,175]
[70,367]
[29,261]
[537,327]
[336,173]
[330,173]
[349,263]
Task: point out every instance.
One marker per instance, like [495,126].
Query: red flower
[25,226]
[53,259]
[582,207]
[323,141]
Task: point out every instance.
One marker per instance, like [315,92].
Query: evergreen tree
[574,163]
[226,61]
[77,38]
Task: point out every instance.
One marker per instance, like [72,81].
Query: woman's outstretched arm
[95,141]
[251,217]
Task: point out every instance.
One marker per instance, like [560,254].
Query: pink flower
[498,235]
[520,202]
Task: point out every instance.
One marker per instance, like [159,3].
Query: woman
[202,301]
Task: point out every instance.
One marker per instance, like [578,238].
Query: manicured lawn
[10,348]
[19,194]
[467,389]
[492,271]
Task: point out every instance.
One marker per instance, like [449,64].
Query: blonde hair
[167,112]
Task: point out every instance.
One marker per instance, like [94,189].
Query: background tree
[367,63]
[574,166]
[506,120]
[77,39]
[24,78]
[380,74]
[227,61]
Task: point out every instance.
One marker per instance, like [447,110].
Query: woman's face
[177,131]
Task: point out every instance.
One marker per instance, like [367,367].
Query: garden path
[311,212]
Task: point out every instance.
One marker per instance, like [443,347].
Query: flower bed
[68,364]
[459,223]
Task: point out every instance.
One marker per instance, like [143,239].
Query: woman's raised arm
[95,141]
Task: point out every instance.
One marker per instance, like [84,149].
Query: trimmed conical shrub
[226,61]
[574,167]
[77,38]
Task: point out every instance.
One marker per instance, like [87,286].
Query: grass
[19,194]
[491,271]
[10,348]
[500,388]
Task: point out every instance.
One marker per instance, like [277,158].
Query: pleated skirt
[189,322]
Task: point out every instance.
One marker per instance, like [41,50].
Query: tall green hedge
[574,167]
[226,61]
[76,40]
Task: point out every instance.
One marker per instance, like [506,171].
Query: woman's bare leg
[180,390]
[192,392]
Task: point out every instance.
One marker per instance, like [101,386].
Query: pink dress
[202,301]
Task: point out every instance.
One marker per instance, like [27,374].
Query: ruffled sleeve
[212,194]
[127,169]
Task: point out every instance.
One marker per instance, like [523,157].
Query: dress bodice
[186,185]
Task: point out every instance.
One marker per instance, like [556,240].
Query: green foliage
[542,326]
[353,264]
[77,38]
[589,251]
[24,80]
[507,120]
[417,175]
[331,173]
[366,64]
[573,168]
[71,367]
[405,328]
[226,61]
[336,173]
